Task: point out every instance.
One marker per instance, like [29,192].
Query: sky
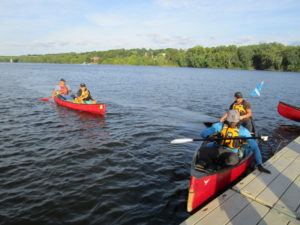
[60,26]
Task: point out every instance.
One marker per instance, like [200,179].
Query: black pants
[247,124]
[218,155]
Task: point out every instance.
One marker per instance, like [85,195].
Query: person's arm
[248,114]
[216,127]
[223,117]
[56,89]
[69,89]
[86,96]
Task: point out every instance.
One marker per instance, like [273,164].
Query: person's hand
[263,170]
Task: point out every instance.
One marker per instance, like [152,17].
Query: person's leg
[60,97]
[68,97]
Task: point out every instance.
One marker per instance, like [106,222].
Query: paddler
[225,152]
[244,109]
[63,90]
[84,96]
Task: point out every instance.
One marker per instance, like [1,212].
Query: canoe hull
[204,186]
[289,111]
[90,108]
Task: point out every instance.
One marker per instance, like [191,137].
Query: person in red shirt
[63,90]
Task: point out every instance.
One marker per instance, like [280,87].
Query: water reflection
[285,134]
[82,130]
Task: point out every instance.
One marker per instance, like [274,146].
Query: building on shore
[95,59]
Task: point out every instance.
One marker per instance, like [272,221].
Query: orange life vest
[227,132]
[63,90]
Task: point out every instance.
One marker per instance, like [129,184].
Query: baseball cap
[238,94]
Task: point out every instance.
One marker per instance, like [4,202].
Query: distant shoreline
[265,56]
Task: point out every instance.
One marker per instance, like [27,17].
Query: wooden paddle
[187,140]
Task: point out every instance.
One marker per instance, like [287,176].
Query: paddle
[46,99]
[187,140]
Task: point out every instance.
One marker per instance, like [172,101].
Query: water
[59,166]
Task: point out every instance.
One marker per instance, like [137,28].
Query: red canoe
[289,111]
[91,108]
[205,184]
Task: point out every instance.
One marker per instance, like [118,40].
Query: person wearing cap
[84,95]
[244,108]
[63,90]
[225,152]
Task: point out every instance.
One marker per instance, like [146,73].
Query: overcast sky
[58,26]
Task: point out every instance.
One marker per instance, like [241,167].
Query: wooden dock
[259,198]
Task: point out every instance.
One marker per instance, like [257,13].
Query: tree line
[265,56]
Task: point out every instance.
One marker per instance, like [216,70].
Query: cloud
[157,40]
[107,20]
[175,3]
[244,40]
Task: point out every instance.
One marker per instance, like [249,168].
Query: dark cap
[238,94]
[233,116]
[62,79]
[82,85]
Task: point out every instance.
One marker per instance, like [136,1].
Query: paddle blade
[183,140]
[264,138]
[45,99]
[257,90]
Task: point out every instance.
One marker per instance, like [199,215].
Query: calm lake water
[59,166]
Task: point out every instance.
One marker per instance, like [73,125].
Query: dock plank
[253,210]
[225,212]
[270,195]
[192,220]
[289,202]
[288,155]
[257,185]
[274,218]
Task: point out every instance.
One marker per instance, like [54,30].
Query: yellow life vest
[240,108]
[227,132]
[85,94]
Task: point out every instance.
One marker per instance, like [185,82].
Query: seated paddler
[225,152]
[84,96]
[62,90]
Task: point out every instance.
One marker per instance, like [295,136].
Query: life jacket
[85,94]
[227,132]
[63,90]
[240,108]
